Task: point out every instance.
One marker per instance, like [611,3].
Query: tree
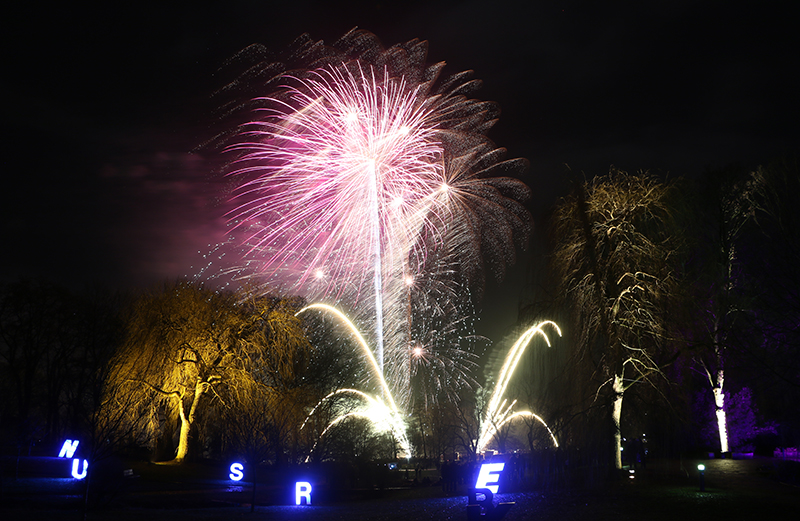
[256,422]
[276,357]
[616,249]
[772,264]
[724,207]
[55,353]
[771,254]
[466,414]
[189,348]
[35,337]
[107,419]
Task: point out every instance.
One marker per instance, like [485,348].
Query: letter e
[489,473]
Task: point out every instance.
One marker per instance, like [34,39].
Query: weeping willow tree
[189,349]
[272,399]
[616,245]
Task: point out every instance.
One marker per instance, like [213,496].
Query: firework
[364,180]
[498,413]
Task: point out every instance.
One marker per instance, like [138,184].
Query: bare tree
[466,416]
[34,351]
[616,245]
[772,265]
[724,207]
[770,256]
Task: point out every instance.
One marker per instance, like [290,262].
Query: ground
[665,490]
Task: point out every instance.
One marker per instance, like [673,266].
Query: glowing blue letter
[75,464]
[302,489]
[68,449]
[490,473]
[236,472]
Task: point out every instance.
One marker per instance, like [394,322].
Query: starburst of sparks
[344,142]
[363,180]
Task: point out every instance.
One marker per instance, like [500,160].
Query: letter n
[68,449]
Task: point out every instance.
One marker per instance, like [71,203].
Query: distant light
[701,467]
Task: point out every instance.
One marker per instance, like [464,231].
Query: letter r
[302,489]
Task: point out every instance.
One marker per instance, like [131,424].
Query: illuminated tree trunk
[183,442]
[187,422]
[616,415]
[719,403]
[717,381]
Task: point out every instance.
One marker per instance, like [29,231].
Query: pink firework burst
[346,168]
[363,179]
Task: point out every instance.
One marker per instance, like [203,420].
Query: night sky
[102,107]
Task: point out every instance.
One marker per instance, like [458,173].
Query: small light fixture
[702,469]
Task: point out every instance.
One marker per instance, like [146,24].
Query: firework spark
[349,176]
[363,343]
[375,411]
[498,414]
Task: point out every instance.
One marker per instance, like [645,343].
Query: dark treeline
[54,348]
